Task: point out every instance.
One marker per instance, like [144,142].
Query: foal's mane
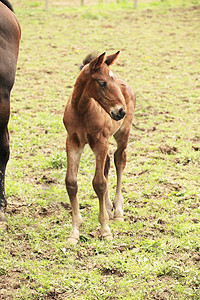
[7,3]
[88,59]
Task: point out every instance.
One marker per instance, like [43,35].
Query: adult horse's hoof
[72,241]
[3,221]
[2,217]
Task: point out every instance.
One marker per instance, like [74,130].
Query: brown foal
[100,106]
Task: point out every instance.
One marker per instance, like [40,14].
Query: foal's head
[102,86]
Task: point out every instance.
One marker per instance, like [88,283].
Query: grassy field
[155,252]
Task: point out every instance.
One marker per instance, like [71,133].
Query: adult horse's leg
[9,46]
[4,147]
[100,185]
[73,158]
[109,206]
[120,163]
[4,156]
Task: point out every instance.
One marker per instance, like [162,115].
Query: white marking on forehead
[111,74]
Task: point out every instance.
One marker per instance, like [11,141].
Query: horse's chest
[97,123]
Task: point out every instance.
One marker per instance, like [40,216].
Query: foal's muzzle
[117,114]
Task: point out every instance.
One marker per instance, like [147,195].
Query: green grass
[155,251]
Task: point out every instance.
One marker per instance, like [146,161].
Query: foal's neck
[80,100]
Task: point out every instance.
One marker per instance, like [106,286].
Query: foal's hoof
[119,219]
[72,241]
[108,237]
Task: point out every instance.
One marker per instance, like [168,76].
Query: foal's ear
[112,58]
[97,62]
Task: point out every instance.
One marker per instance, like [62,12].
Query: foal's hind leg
[120,163]
[109,206]
[73,158]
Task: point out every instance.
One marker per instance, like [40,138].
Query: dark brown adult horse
[100,106]
[9,46]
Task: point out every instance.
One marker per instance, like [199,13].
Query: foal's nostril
[121,113]
[117,114]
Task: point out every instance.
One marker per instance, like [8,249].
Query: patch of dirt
[196,148]
[133,219]
[66,206]
[196,139]
[17,206]
[10,282]
[44,211]
[172,186]
[196,221]
[47,180]
[141,173]
[111,271]
[151,129]
[196,258]
[166,149]
[165,293]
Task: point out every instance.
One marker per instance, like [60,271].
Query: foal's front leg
[109,205]
[100,186]
[73,158]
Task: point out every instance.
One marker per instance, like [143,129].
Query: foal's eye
[102,83]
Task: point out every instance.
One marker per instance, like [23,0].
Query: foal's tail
[88,59]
